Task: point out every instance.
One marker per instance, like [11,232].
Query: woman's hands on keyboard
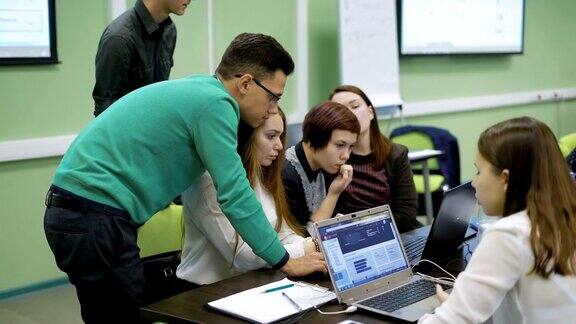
[441,294]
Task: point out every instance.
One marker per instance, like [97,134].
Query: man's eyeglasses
[271,95]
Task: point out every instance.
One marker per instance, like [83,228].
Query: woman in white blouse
[212,249]
[524,269]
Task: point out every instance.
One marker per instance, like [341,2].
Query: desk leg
[427,192]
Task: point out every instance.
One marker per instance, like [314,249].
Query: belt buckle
[168,272]
[48,199]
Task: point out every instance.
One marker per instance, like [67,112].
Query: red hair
[325,118]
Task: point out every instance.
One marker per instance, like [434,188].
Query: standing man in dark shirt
[135,50]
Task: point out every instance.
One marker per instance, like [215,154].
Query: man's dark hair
[257,54]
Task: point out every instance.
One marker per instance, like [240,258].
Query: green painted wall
[40,101]
[547,63]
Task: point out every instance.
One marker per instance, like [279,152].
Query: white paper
[254,305]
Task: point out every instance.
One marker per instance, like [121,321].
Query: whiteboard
[369,49]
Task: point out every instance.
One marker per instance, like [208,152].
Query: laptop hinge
[373,292]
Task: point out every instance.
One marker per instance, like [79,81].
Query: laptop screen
[362,249]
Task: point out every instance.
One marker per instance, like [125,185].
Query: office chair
[160,240]
[567,143]
[162,233]
[444,171]
[416,141]
[293,133]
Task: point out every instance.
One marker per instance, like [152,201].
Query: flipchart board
[369,49]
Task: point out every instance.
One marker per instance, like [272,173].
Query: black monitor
[28,32]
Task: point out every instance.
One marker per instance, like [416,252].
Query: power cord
[350,309]
[468,251]
[443,280]
[464,259]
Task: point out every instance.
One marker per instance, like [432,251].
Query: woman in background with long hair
[382,171]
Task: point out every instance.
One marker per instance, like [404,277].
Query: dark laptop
[448,231]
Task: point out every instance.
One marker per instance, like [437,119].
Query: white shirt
[208,252]
[496,281]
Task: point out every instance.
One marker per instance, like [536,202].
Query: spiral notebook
[259,306]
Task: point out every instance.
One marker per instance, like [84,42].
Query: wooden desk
[422,157]
[189,306]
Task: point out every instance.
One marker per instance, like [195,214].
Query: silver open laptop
[369,268]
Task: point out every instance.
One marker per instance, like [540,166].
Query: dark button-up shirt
[134,51]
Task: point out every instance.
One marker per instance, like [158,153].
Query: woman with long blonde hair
[525,264]
[212,248]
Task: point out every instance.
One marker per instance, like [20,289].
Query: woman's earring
[505,187]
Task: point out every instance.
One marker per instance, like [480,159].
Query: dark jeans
[96,246]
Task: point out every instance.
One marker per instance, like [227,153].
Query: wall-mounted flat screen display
[27,32]
[438,27]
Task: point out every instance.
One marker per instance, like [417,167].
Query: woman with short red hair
[329,131]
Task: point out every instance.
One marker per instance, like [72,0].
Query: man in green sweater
[145,149]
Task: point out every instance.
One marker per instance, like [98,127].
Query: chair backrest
[293,134]
[416,141]
[162,233]
[441,139]
[567,143]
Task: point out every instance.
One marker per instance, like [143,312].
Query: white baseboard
[34,148]
[420,108]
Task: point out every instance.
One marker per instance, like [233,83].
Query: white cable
[436,278]
[444,281]
[350,309]
[439,267]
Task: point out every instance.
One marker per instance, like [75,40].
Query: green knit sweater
[153,143]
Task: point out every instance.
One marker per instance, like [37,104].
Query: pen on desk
[278,288]
[292,301]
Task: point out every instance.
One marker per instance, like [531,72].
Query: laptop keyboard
[414,246]
[402,296]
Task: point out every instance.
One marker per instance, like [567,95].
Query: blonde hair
[270,177]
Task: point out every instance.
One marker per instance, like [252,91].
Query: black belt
[56,198]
